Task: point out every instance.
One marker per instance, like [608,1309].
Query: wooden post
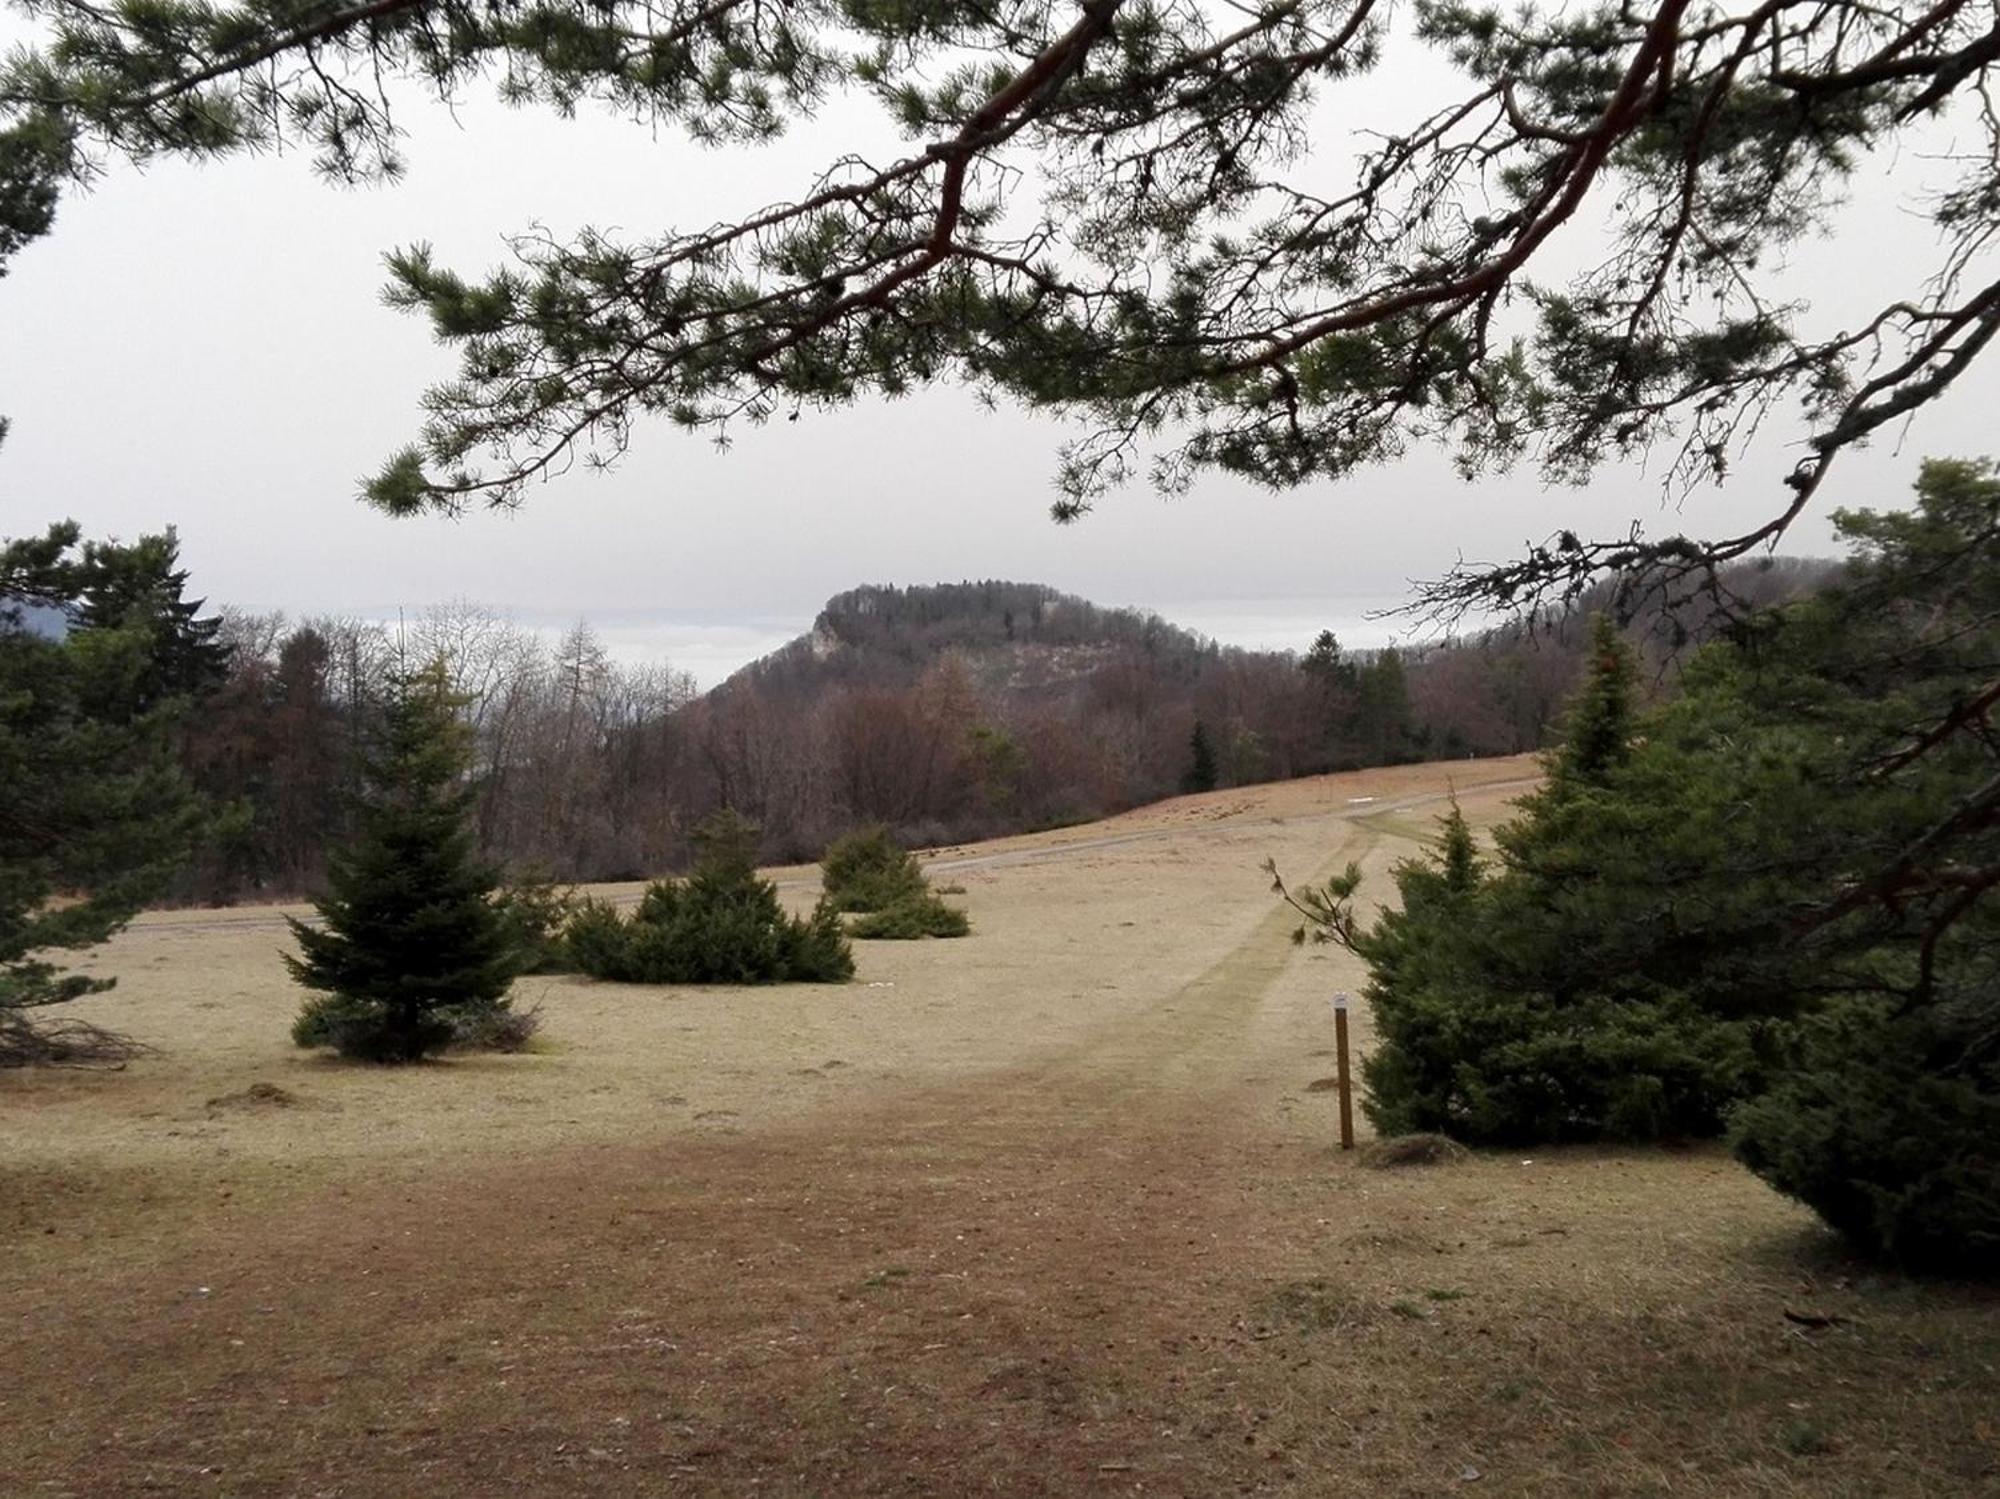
[1340,1071]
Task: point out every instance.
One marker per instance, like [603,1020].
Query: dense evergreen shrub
[869,871]
[1489,1030]
[1889,1129]
[721,925]
[538,913]
[1769,904]
[595,938]
[1546,1000]
[913,916]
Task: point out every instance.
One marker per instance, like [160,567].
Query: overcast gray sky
[206,347]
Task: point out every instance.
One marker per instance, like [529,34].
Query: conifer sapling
[412,941]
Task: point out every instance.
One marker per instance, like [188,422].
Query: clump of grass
[496,1028]
[257,1096]
[1412,1150]
[1312,1305]
[1805,1439]
[1409,1309]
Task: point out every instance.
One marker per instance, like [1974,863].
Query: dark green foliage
[1497,1068]
[1381,727]
[1488,1033]
[36,154]
[1202,774]
[412,944]
[139,587]
[1537,1003]
[1888,1127]
[912,917]
[93,806]
[1597,732]
[596,938]
[721,925]
[538,913]
[1773,897]
[319,1022]
[868,870]
[1556,998]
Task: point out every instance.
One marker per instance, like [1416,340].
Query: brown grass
[1049,1211]
[1412,1150]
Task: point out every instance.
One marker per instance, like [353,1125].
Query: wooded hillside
[948,712]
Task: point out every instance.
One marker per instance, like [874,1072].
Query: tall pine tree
[1202,773]
[140,587]
[412,942]
[93,806]
[1597,731]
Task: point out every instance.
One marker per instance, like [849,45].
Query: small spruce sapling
[412,945]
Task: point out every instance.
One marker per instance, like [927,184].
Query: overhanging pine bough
[1179,282]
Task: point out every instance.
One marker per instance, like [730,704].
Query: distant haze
[710,648]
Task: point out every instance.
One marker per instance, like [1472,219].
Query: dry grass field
[1050,1210]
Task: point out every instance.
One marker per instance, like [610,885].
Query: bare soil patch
[1049,1210]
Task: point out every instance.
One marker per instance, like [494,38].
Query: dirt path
[1050,1211]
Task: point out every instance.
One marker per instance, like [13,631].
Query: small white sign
[1340,1001]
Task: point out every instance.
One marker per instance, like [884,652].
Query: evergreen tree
[1885,1119]
[1325,664]
[1556,999]
[1202,774]
[868,872]
[1336,692]
[1595,743]
[1767,903]
[93,806]
[1382,709]
[141,586]
[412,943]
[1597,732]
